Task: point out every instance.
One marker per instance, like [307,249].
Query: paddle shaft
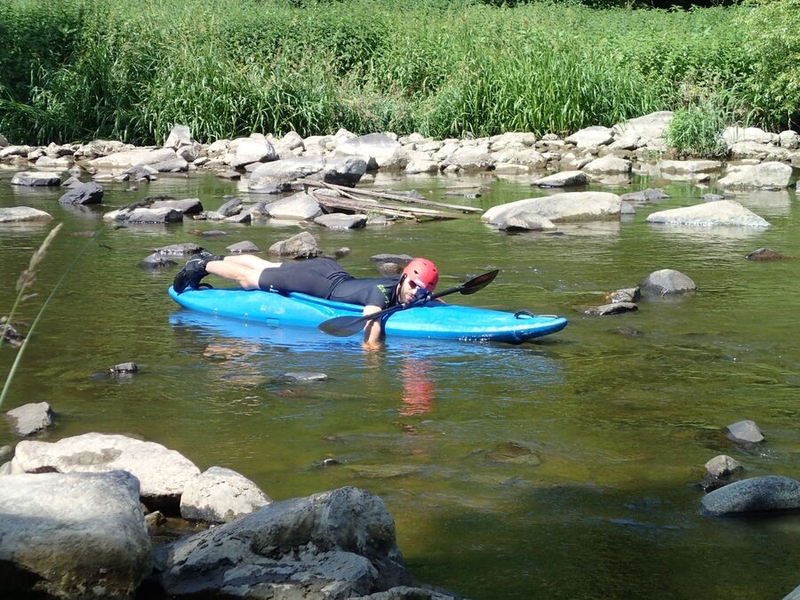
[347,326]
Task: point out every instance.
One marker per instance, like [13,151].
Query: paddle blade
[478,283]
[342,326]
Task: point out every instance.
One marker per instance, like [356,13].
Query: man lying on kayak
[320,277]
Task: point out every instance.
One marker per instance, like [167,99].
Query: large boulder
[557,208]
[337,544]
[162,473]
[719,213]
[74,535]
[771,175]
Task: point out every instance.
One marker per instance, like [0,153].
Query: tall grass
[131,69]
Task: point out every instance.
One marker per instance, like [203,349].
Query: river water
[563,468]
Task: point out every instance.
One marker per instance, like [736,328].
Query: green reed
[130,70]
[24,282]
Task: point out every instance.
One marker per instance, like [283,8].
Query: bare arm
[373,331]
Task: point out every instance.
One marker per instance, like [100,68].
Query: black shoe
[191,274]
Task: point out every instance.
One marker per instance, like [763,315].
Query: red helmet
[422,272]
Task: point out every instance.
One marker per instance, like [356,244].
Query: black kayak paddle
[347,326]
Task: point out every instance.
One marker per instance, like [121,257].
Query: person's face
[408,291]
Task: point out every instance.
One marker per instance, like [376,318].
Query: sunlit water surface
[564,468]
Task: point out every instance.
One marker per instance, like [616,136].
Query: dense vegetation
[75,70]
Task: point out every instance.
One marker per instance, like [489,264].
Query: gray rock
[302,377]
[765,254]
[231,207]
[243,247]
[83,194]
[745,431]
[591,137]
[770,175]
[722,466]
[611,309]
[338,544]
[19,214]
[557,208]
[77,535]
[722,213]
[253,149]
[179,249]
[341,221]
[665,282]
[30,419]
[36,179]
[608,164]
[793,595]
[161,159]
[378,150]
[563,179]
[187,206]
[220,495]
[302,245]
[299,207]
[346,170]
[689,167]
[755,495]
[645,128]
[150,215]
[162,473]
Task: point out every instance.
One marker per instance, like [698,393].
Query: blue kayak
[433,320]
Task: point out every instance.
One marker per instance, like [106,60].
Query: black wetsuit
[325,278]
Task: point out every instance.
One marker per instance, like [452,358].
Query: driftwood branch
[363,200]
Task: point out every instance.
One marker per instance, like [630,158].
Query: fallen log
[391,196]
[348,203]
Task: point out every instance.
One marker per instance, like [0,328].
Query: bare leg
[245,269]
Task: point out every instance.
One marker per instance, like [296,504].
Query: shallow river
[563,468]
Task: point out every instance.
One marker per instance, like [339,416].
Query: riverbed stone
[745,431]
[300,206]
[378,150]
[575,178]
[771,493]
[31,418]
[590,137]
[557,208]
[608,164]
[689,167]
[722,466]
[771,175]
[342,221]
[20,214]
[302,245]
[73,535]
[36,179]
[162,473]
[220,495]
[186,206]
[83,194]
[337,544]
[253,149]
[721,213]
[666,282]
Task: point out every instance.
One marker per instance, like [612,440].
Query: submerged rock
[755,495]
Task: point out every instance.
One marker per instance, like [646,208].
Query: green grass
[73,70]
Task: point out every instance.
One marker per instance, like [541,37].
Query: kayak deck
[430,320]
